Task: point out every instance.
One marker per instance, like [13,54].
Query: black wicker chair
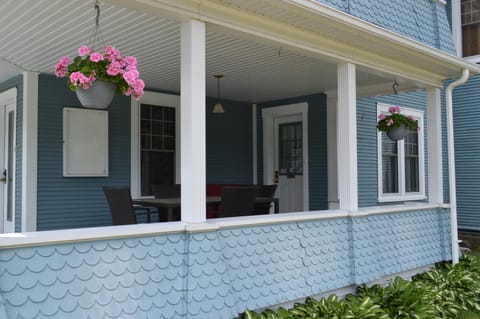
[237,201]
[264,191]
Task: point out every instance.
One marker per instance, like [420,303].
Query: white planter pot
[98,96]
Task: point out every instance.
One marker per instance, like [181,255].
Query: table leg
[275,205]
[170,214]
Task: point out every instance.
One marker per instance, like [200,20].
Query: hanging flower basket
[96,77]
[395,124]
[98,96]
[397,133]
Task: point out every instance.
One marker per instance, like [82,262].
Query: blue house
[463,20]
[308,77]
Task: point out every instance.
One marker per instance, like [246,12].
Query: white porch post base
[192,121]
[347,137]
[434,133]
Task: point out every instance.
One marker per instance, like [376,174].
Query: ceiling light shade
[218,108]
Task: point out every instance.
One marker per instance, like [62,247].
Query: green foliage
[401,299]
[395,119]
[443,292]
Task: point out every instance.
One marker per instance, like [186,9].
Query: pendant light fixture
[218,108]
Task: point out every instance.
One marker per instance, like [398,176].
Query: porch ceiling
[36,33]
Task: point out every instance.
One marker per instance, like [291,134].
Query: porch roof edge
[320,30]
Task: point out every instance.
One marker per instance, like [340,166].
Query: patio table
[175,202]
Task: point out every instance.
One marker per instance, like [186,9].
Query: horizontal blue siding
[75,201]
[17,82]
[229,140]
[216,274]
[466,101]
[367,141]
[421,20]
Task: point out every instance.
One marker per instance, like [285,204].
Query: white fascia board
[408,58]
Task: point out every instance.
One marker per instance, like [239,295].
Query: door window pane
[291,148]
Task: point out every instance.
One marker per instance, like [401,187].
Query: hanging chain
[97,31]
[395,86]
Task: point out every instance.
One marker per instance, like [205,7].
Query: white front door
[289,162]
[7,166]
[285,153]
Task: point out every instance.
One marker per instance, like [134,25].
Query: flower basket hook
[97,32]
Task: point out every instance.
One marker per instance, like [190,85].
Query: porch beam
[347,137]
[434,133]
[192,122]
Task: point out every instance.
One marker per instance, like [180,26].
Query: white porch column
[29,151]
[434,133]
[192,121]
[332,151]
[347,137]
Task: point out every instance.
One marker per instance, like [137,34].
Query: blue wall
[17,82]
[216,274]
[466,101]
[75,201]
[367,141]
[79,201]
[421,20]
[317,145]
[229,143]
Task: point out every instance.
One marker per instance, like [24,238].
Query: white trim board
[268,115]
[102,233]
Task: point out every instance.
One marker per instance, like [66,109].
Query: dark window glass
[412,182]
[157,146]
[389,165]
[471,27]
[291,148]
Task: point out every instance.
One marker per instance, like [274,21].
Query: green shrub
[443,292]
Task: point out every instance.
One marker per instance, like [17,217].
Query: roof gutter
[451,164]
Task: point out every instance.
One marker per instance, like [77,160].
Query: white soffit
[35,34]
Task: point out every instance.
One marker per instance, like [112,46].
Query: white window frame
[152,98]
[402,195]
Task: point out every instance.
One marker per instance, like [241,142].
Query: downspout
[451,164]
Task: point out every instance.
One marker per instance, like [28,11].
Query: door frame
[268,115]
[8,99]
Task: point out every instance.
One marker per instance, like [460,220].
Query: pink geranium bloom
[83,50]
[114,68]
[130,77]
[139,85]
[397,109]
[382,116]
[96,57]
[390,122]
[64,60]
[130,60]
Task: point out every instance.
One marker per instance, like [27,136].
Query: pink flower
[64,61]
[139,85]
[131,76]
[382,116]
[96,57]
[83,50]
[60,71]
[390,122]
[131,61]
[114,68]
[397,109]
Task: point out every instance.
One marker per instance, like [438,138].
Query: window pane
[412,174]
[389,165]
[291,149]
[157,128]
[471,27]
[157,168]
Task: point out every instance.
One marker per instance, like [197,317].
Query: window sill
[401,198]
